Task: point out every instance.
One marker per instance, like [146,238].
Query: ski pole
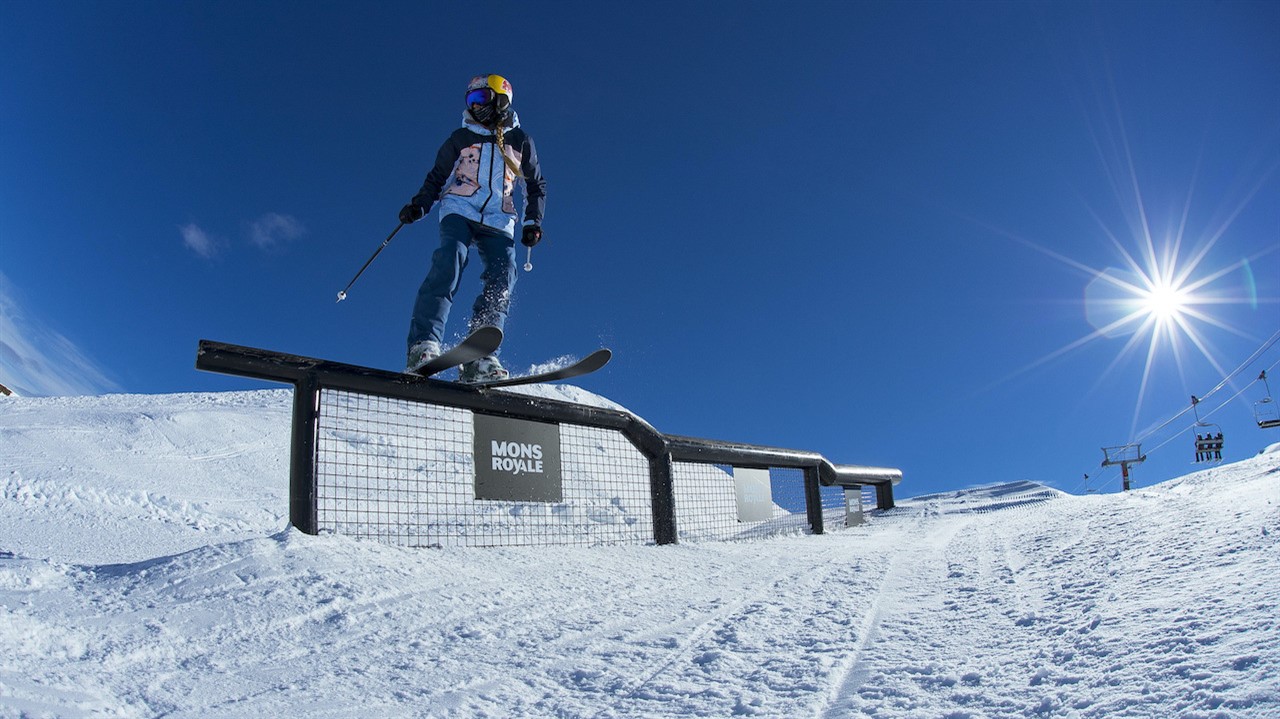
[343,294]
[528,260]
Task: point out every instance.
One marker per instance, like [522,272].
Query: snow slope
[146,570]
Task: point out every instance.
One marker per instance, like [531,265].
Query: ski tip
[586,365]
[596,360]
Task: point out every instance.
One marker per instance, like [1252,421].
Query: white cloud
[199,241]
[37,361]
[273,229]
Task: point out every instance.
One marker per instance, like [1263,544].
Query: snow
[146,569]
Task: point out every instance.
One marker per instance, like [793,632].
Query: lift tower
[1124,456]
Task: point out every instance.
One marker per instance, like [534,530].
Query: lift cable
[1230,376]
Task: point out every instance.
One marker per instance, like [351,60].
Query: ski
[480,343]
[586,365]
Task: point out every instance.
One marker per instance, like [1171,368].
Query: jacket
[471,179]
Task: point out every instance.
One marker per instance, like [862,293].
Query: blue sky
[864,229]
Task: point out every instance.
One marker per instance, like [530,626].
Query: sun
[1165,302]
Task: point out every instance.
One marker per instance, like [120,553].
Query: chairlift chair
[1266,412]
[1209,445]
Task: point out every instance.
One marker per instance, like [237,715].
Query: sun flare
[1162,302]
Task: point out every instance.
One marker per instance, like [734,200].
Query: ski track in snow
[146,571]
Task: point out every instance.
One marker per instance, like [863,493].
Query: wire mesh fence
[404,472]
[715,502]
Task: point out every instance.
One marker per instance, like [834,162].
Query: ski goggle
[482,96]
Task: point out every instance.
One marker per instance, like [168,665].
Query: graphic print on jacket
[466,177]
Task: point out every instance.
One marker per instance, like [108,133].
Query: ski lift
[1265,411]
[1208,444]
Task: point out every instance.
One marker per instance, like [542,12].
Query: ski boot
[420,354]
[485,369]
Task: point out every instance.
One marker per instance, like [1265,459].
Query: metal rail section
[310,376]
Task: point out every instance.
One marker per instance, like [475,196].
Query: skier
[475,172]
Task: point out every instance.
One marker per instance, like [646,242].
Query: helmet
[488,99]
[497,83]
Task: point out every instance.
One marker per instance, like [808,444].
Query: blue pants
[435,297]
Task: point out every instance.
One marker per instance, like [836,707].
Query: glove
[411,213]
[532,235]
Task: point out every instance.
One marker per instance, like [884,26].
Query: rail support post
[884,496]
[302,458]
[813,499]
[663,497]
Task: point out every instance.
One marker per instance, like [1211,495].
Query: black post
[663,495]
[302,458]
[813,499]
[884,496]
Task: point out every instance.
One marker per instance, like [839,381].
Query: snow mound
[985,498]
[124,477]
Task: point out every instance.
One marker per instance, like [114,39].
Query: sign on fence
[754,494]
[517,460]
